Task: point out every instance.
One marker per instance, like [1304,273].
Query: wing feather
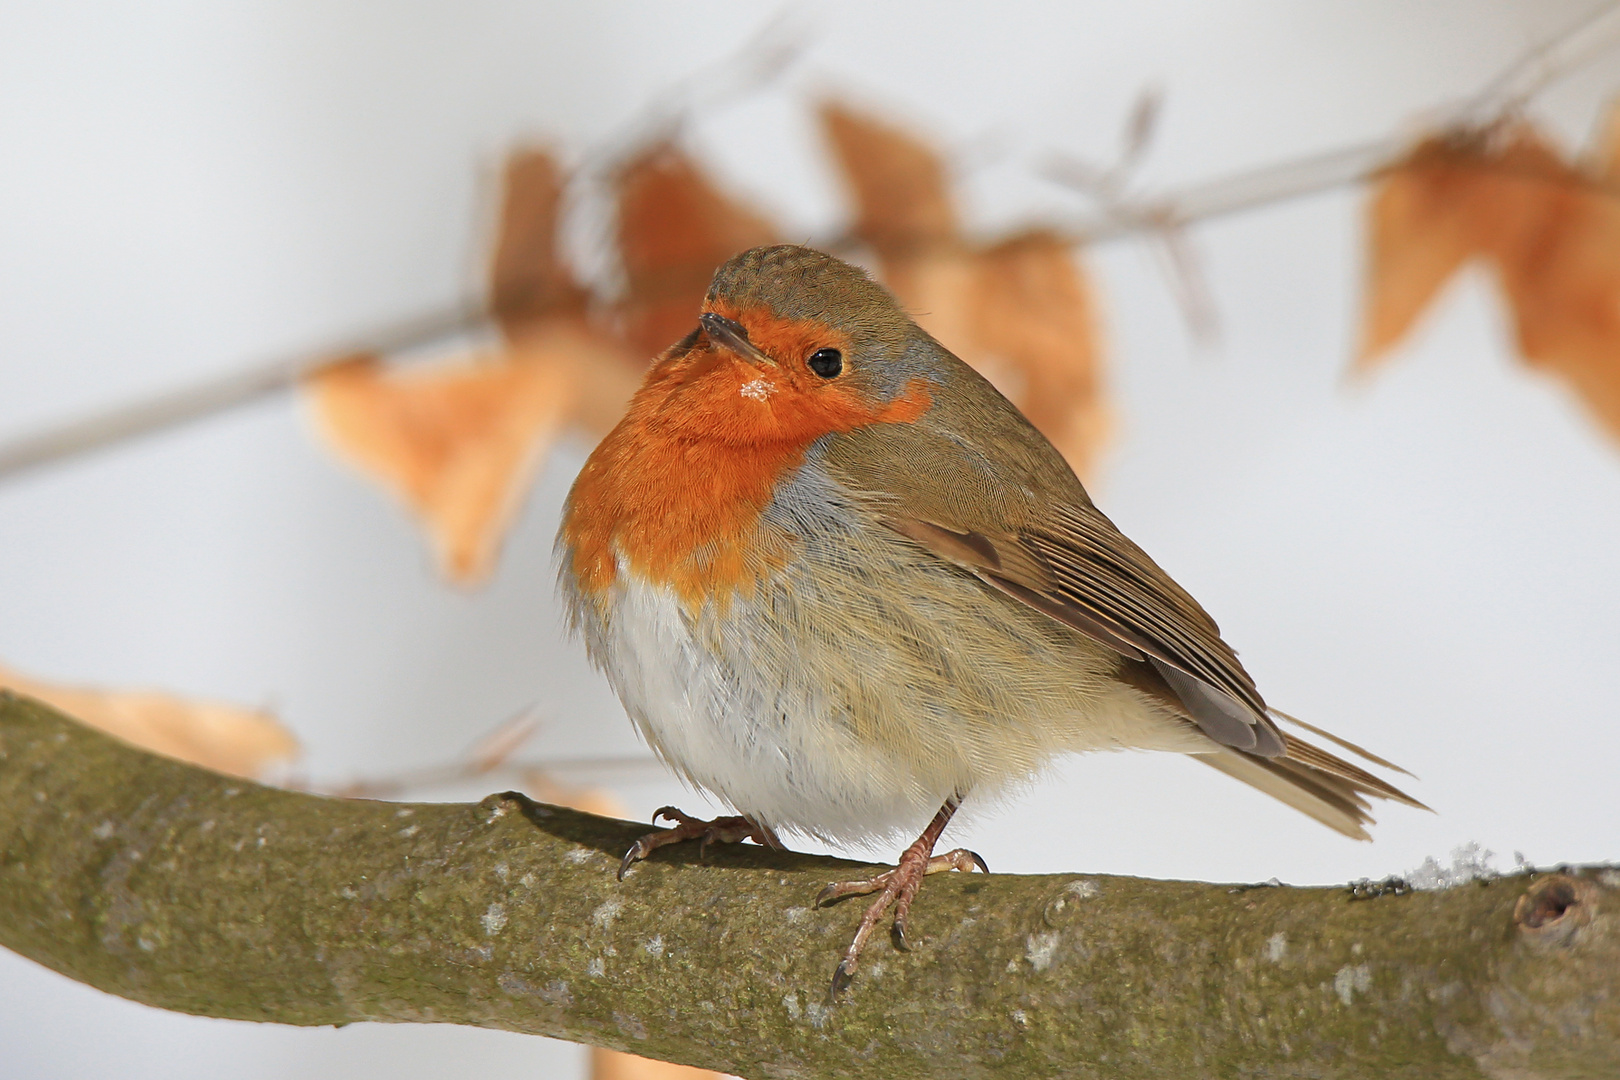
[997,500]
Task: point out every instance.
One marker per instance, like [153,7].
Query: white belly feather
[769,751]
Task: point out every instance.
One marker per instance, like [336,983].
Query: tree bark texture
[188,890]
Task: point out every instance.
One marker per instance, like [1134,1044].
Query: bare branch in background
[1189,281]
[1109,188]
[214,395]
[494,757]
[1596,33]
[760,62]
[1503,96]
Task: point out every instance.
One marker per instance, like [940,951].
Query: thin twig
[593,770]
[172,408]
[1589,37]
[760,62]
[1503,95]
[492,755]
[1265,186]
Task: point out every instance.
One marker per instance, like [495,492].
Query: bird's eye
[826,362]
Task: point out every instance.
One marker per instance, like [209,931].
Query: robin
[839,581]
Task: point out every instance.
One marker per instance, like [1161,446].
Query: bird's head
[792,344]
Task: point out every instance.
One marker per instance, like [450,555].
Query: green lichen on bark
[191,891]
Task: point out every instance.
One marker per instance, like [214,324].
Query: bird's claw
[840,889]
[638,851]
[673,815]
[843,975]
[898,888]
[725,830]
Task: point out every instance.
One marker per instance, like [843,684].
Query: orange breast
[679,486]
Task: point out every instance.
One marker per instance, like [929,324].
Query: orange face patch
[679,485]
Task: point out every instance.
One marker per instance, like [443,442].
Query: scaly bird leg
[722,830]
[897,887]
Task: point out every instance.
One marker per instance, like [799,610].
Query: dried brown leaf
[528,279]
[542,308]
[1563,281]
[675,227]
[603,369]
[1606,147]
[457,441]
[936,288]
[1549,228]
[1419,235]
[1518,195]
[898,183]
[1454,198]
[1032,309]
[225,738]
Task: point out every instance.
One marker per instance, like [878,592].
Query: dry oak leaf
[1563,282]
[1453,198]
[1417,236]
[458,441]
[542,309]
[675,226]
[1020,310]
[528,281]
[897,182]
[605,371]
[1033,311]
[540,305]
[225,738]
[1549,229]
[1022,313]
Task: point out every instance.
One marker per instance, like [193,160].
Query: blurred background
[1423,561]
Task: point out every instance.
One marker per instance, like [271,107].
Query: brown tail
[1315,782]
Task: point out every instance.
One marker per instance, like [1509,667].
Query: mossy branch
[187,890]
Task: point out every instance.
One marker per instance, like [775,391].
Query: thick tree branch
[191,891]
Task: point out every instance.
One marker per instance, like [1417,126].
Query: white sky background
[1426,564]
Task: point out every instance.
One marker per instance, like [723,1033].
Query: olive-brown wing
[1041,542]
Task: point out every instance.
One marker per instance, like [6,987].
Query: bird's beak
[733,335]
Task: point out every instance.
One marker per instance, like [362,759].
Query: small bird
[843,584]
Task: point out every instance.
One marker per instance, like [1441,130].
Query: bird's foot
[722,830]
[897,887]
